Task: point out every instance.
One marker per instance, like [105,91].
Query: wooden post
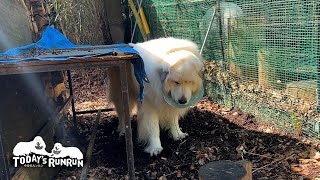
[234,69]
[318,66]
[220,170]
[115,20]
[263,68]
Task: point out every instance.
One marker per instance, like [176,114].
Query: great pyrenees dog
[58,151]
[174,69]
[37,146]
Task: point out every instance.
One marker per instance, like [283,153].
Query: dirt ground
[215,133]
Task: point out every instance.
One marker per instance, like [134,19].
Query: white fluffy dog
[37,146]
[174,68]
[59,151]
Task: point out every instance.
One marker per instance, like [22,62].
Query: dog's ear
[162,74]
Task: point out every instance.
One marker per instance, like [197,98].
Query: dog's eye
[177,82]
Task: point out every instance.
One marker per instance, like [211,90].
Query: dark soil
[211,138]
[215,133]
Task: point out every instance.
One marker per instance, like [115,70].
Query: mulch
[215,133]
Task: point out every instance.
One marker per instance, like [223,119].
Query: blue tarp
[53,39]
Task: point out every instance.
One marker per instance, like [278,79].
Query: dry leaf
[304,172]
[296,168]
[316,156]
[235,114]
[304,161]
[199,156]
[163,158]
[179,173]
[162,178]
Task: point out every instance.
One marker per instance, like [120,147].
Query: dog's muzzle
[38,147]
[194,99]
[56,152]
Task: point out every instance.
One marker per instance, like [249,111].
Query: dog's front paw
[177,134]
[180,136]
[153,150]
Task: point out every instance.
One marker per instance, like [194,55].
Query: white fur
[26,148]
[159,55]
[72,152]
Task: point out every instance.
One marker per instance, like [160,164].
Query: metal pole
[74,113]
[318,69]
[221,35]
[135,23]
[125,114]
[85,169]
[95,111]
[208,30]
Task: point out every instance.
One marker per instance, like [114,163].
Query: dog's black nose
[182,100]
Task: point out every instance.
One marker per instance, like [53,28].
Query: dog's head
[184,77]
[57,148]
[39,143]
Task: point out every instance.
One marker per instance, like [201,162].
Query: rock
[220,170]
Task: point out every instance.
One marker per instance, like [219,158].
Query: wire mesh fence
[261,55]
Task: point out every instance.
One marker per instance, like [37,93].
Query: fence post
[318,64]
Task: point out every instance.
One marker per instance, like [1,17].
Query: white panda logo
[59,151]
[37,146]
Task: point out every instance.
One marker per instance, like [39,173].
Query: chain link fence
[262,56]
